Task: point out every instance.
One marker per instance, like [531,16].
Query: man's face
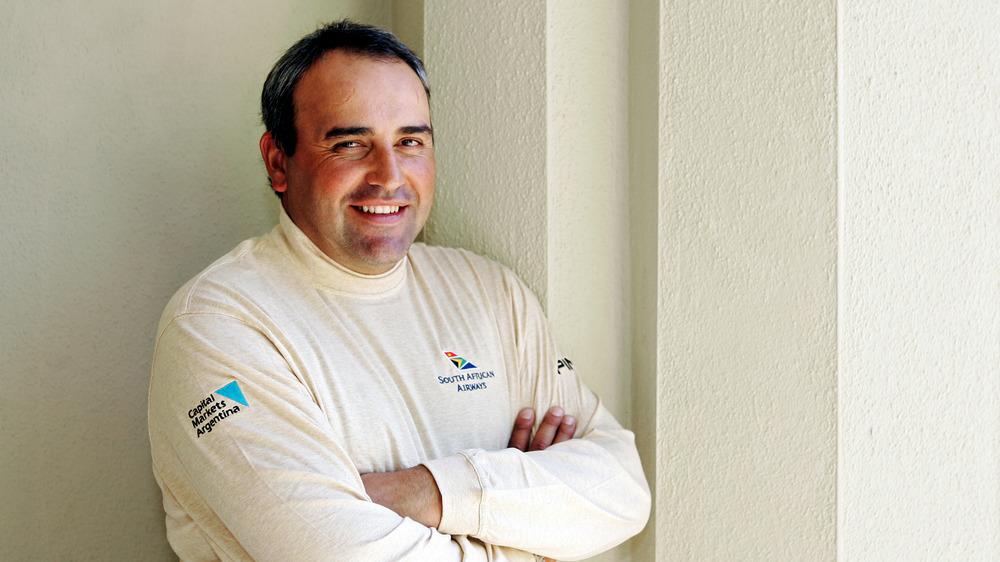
[361,182]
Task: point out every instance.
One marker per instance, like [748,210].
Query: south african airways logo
[460,363]
[469,378]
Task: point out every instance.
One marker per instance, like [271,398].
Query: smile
[380,209]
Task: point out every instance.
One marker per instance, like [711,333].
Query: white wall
[128,162]
[919,469]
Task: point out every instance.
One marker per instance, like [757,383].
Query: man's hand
[411,492]
[556,427]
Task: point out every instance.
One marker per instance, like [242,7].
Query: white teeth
[380,209]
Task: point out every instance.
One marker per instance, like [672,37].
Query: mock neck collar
[324,272]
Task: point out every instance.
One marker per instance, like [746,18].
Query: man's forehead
[344,90]
[341,67]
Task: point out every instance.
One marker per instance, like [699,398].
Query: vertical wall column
[587,189]
[747,365]
[486,62]
[645,146]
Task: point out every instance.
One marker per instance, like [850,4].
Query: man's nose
[385,169]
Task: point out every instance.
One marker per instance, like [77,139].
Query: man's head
[276,101]
[349,144]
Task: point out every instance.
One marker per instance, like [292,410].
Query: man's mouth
[379,209]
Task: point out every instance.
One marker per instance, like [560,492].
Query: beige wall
[746,439]
[664,175]
[487,66]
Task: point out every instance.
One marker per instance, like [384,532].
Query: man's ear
[275,161]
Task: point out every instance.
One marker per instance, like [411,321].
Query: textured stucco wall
[128,162]
[587,190]
[920,297]
[746,440]
[486,62]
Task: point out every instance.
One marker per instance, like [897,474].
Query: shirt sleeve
[248,469]
[570,501]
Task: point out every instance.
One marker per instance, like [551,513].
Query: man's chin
[381,256]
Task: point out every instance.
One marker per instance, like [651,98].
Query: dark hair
[276,103]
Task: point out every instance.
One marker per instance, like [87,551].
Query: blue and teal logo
[215,408]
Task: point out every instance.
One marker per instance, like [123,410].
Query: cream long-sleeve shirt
[280,377]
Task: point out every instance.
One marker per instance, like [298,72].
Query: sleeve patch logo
[212,410]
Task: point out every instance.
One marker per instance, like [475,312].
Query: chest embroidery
[468,378]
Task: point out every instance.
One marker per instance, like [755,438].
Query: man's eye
[347,145]
[411,142]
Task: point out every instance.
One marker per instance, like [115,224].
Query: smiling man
[332,390]
[360,181]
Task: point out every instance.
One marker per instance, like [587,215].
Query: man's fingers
[546,433]
[566,430]
[556,427]
[522,429]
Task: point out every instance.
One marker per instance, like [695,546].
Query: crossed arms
[412,492]
[280,485]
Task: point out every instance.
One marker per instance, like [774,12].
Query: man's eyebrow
[337,132]
[416,130]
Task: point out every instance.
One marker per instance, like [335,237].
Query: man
[332,390]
